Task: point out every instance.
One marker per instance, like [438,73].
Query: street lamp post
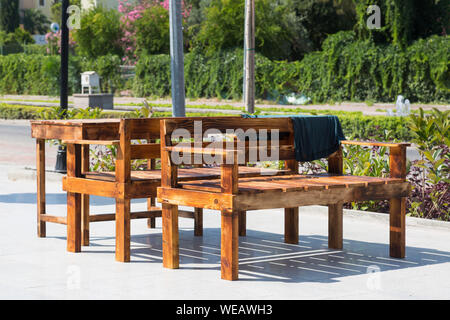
[61,164]
[64,55]
[249,57]
[177,59]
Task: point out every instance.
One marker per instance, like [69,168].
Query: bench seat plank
[184,174]
[290,183]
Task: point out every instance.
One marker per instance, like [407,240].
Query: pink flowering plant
[54,42]
[156,22]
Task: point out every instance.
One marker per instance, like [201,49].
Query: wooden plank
[397,205]
[335,226]
[145,151]
[53,219]
[291,225]
[94,142]
[229,178]
[224,123]
[198,222]
[133,215]
[169,172]
[186,214]
[270,200]
[397,162]
[92,187]
[85,198]
[151,164]
[336,162]
[40,177]
[122,230]
[151,222]
[73,222]
[397,231]
[73,200]
[57,131]
[242,215]
[170,236]
[292,164]
[123,159]
[229,251]
[196,199]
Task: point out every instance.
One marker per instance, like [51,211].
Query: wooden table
[86,129]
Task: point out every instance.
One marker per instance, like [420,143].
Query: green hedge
[345,70]
[38,74]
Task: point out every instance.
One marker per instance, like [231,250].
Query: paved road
[18,148]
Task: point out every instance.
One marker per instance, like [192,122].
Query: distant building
[110,4]
[42,5]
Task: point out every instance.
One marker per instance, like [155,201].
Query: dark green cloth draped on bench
[316,137]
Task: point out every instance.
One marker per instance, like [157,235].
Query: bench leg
[242,223]
[151,222]
[170,236]
[291,225]
[85,219]
[198,222]
[122,230]
[397,213]
[73,222]
[335,226]
[229,246]
[40,167]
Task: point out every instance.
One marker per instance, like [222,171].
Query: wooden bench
[125,184]
[232,194]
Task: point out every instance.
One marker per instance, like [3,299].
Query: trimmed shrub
[346,70]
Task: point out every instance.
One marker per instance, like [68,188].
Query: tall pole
[177,59]
[249,56]
[64,55]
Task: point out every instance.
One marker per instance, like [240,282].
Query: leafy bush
[277,27]
[430,176]
[108,67]
[100,33]
[9,15]
[152,31]
[19,112]
[346,70]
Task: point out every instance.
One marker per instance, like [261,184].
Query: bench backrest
[257,133]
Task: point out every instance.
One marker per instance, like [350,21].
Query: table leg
[198,222]
[85,198]
[73,200]
[40,170]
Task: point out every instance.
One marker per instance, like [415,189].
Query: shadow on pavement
[263,256]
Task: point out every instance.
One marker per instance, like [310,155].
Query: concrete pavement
[40,268]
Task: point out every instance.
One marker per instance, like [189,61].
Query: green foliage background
[9,15]
[346,69]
